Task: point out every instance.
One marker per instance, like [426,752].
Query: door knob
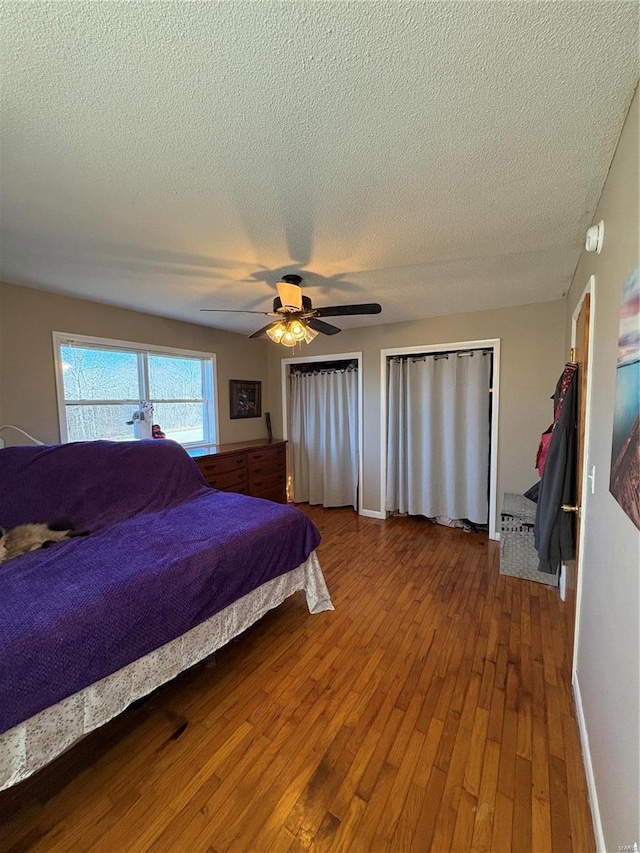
[570,508]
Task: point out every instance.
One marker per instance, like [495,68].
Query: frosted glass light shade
[291,332]
[309,334]
[297,329]
[277,332]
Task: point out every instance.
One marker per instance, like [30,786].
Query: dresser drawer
[276,493]
[227,481]
[261,483]
[251,470]
[221,464]
[265,454]
[262,468]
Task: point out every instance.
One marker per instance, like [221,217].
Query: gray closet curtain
[438,435]
[324,437]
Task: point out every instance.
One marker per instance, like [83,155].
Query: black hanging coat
[554,528]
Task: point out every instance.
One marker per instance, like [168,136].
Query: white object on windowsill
[142,420]
[17,429]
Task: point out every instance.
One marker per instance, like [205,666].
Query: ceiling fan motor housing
[277,304]
[290,293]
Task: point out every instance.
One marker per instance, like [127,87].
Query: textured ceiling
[436,157]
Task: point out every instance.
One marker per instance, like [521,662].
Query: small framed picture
[245,397]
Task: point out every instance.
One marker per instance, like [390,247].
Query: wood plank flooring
[432,711]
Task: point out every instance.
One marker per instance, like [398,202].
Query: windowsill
[201,450]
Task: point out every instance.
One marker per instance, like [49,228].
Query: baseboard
[373,513]
[588,767]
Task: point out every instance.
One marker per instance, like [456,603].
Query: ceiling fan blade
[319,326]
[239,311]
[262,331]
[349,310]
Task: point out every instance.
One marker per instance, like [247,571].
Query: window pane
[183,422]
[96,374]
[175,378]
[88,423]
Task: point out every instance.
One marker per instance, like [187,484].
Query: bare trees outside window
[103,385]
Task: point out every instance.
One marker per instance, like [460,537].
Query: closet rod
[436,355]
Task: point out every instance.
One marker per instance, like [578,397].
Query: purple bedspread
[165,553]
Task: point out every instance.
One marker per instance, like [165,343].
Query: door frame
[587,482]
[309,359]
[427,349]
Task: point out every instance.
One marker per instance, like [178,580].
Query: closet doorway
[439,431]
[322,422]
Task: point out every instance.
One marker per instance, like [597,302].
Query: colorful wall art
[625,451]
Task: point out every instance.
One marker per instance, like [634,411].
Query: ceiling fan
[297,320]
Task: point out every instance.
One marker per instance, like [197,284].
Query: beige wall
[608,659]
[27,379]
[532,343]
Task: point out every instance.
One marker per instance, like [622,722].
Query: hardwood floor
[431,711]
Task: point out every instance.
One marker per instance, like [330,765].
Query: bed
[171,571]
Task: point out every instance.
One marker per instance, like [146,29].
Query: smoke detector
[595,238]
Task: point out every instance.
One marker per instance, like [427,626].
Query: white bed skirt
[31,745]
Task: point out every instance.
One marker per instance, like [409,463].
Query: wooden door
[580,356]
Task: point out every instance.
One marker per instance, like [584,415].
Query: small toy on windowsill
[156,431]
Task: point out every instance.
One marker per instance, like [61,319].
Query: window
[102,383]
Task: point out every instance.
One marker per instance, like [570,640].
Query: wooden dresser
[256,468]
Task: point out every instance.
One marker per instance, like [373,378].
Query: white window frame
[210,378]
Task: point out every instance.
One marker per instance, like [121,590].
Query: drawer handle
[240,460]
[257,471]
[257,455]
[257,483]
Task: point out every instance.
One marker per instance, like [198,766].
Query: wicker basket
[518,556]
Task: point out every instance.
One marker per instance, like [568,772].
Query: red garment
[545,438]
[543,449]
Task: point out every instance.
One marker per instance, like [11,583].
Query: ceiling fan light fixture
[291,332]
[288,339]
[276,332]
[297,329]
[309,334]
